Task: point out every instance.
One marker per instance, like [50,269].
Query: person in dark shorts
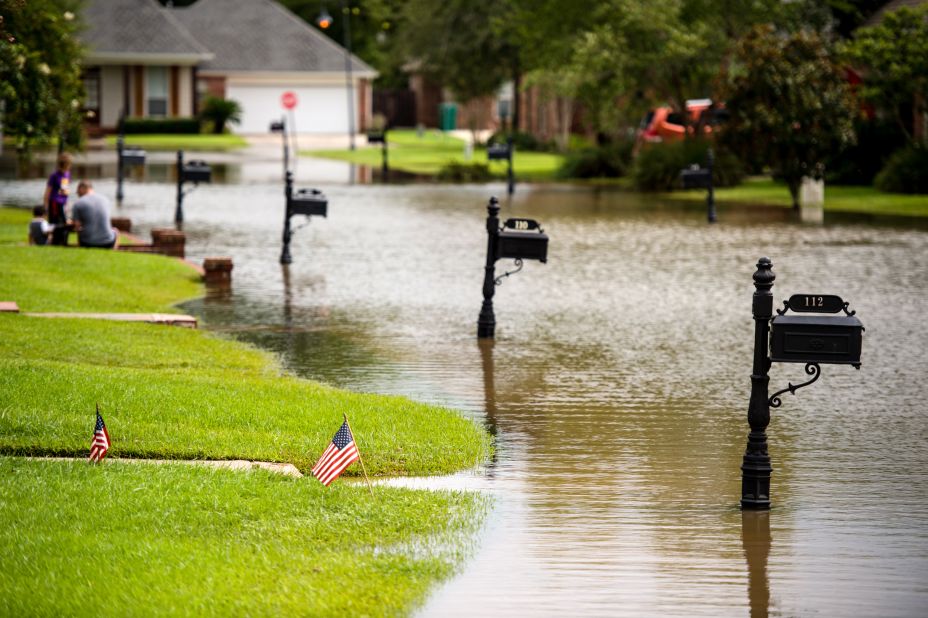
[91,216]
[40,229]
[57,191]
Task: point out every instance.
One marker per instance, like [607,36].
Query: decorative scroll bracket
[812,369]
[499,280]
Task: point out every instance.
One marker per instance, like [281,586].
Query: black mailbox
[132,155]
[696,178]
[278,126]
[497,151]
[197,171]
[308,202]
[522,245]
[816,339]
[375,137]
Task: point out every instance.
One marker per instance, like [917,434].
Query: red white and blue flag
[101,440]
[341,453]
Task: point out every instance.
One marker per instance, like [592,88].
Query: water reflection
[755,537]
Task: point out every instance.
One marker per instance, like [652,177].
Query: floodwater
[617,386]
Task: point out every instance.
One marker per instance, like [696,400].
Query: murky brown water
[617,388]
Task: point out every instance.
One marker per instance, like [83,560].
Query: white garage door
[319,109]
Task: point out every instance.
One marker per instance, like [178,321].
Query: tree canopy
[40,71]
[790,103]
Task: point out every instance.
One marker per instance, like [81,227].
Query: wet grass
[180,540]
[192,143]
[428,153]
[174,540]
[764,191]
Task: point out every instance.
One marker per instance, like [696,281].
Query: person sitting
[40,230]
[91,216]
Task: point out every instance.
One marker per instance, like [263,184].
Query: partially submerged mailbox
[375,137]
[498,152]
[816,339]
[133,155]
[196,171]
[517,239]
[309,202]
[522,239]
[696,177]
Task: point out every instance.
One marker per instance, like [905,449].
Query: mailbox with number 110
[519,239]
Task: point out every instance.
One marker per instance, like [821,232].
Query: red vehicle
[665,125]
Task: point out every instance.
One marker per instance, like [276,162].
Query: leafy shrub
[905,171]
[608,161]
[860,163]
[162,125]
[658,167]
[465,172]
[220,112]
[521,141]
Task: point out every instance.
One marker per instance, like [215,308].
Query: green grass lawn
[837,198]
[200,142]
[179,540]
[174,540]
[427,154]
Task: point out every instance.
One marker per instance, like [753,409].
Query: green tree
[893,57]
[40,84]
[789,102]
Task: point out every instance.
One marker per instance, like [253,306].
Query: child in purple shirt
[56,197]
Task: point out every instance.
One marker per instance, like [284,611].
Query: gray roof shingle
[261,35]
[136,27]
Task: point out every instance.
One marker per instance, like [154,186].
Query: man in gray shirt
[91,214]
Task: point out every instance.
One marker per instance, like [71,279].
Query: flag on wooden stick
[341,453]
[101,439]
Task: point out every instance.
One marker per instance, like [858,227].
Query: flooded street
[617,386]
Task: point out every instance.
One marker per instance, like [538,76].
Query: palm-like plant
[221,112]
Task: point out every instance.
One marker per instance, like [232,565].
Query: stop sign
[288,100]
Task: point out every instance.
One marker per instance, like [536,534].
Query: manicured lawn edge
[202,142]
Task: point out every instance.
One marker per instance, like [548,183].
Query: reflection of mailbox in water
[197,171]
[308,202]
[522,245]
[696,178]
[132,155]
[816,339]
[498,151]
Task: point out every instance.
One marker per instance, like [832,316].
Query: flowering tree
[40,86]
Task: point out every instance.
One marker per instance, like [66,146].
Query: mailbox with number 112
[823,338]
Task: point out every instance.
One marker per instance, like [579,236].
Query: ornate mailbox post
[812,340]
[520,239]
[306,202]
[125,155]
[695,177]
[380,137]
[193,171]
[499,152]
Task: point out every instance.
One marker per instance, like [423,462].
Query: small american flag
[101,440]
[341,452]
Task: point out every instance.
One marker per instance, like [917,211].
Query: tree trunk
[794,186]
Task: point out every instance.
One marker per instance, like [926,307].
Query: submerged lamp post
[125,155]
[812,340]
[695,177]
[520,239]
[193,171]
